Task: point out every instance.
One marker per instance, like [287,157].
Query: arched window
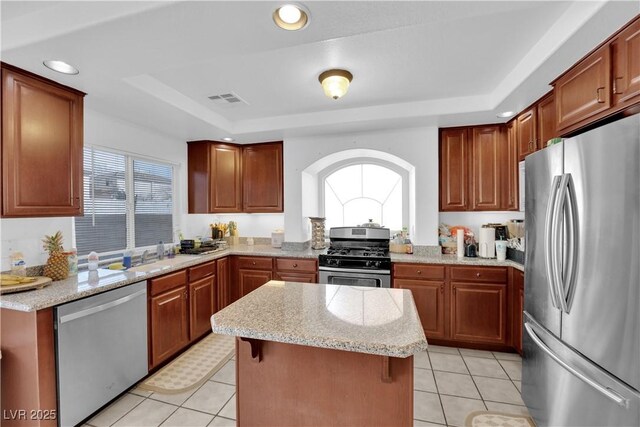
[355,193]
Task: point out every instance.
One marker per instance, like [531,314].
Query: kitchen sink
[162,264]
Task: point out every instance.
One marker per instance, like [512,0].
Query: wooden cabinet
[42,138]
[262,178]
[202,298]
[169,324]
[526,132]
[625,49]
[454,153]
[511,175]
[229,178]
[479,312]
[584,90]
[546,120]
[252,272]
[296,270]
[474,169]
[430,298]
[224,283]
[487,143]
[518,308]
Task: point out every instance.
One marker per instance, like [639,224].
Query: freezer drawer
[562,388]
[101,349]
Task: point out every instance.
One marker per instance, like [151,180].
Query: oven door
[354,277]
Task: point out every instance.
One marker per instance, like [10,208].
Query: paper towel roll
[460,241]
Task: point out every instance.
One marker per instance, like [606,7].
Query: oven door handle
[353,270]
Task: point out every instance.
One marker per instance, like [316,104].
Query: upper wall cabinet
[42,137]
[262,184]
[229,178]
[526,131]
[603,83]
[474,169]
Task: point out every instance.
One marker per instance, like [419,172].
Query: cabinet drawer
[162,284]
[419,271]
[479,274]
[255,263]
[296,264]
[202,270]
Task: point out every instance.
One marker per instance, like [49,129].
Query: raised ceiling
[414,63]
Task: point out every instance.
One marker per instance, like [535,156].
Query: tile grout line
[474,383]
[444,415]
[127,413]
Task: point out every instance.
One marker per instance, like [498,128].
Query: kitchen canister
[486,242]
[317,233]
[277,237]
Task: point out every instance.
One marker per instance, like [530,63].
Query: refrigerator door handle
[549,241]
[611,394]
[572,236]
[556,241]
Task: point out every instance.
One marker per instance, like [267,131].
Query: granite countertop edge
[378,349]
[35,300]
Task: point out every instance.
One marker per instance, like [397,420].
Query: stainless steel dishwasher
[101,349]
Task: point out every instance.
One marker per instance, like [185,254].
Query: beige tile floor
[449,383]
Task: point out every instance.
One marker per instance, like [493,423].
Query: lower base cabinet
[202,299]
[169,326]
[430,299]
[250,280]
[479,312]
[518,308]
[223,272]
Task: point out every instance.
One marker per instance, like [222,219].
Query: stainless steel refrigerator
[581,337]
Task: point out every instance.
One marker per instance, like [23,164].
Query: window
[356,193]
[112,220]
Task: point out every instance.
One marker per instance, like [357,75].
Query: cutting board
[40,282]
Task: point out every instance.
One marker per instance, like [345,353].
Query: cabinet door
[250,280]
[41,147]
[546,110]
[262,178]
[169,324]
[479,312]
[518,307]
[486,163]
[526,132]
[198,176]
[453,169]
[430,300]
[202,305]
[226,179]
[297,277]
[626,65]
[510,170]
[585,90]
[224,292]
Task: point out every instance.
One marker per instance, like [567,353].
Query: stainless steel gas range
[357,256]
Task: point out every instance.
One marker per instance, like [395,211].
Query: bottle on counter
[73,262]
[92,261]
[126,259]
[160,250]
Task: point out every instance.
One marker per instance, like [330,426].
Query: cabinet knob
[295,265]
[478,274]
[254,263]
[419,272]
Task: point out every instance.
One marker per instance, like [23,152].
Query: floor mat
[497,419]
[192,368]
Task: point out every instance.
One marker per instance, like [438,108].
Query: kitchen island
[311,354]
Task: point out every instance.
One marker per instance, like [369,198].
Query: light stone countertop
[350,318]
[86,284]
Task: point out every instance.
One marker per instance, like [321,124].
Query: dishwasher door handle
[99,308]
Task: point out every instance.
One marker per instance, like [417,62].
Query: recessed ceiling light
[60,66]
[291,17]
[335,83]
[506,114]
[228,139]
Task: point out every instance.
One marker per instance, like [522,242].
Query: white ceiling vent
[227,99]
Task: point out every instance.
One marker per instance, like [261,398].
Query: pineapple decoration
[57,267]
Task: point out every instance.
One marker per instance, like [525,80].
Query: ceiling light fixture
[60,66]
[335,83]
[228,139]
[506,114]
[291,17]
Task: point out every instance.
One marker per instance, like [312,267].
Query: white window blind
[112,220]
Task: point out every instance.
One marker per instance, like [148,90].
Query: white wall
[249,225]
[416,146]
